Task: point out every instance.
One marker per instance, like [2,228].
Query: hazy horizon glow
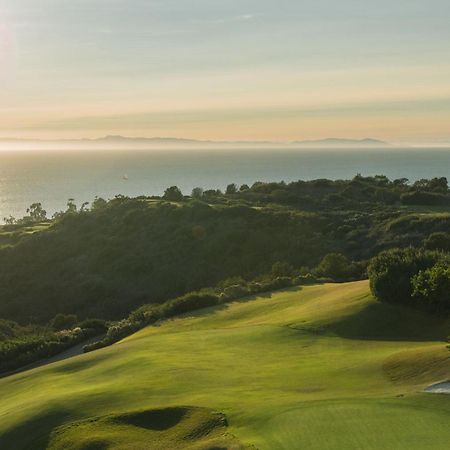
[204,69]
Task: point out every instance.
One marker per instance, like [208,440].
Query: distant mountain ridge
[339,142]
[118,141]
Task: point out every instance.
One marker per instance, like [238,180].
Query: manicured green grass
[322,367]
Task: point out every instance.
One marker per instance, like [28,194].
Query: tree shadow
[41,425]
[385,322]
[210,310]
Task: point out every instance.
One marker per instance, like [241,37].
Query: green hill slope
[322,367]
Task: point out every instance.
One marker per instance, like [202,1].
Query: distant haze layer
[234,70]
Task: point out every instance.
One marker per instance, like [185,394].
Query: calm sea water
[53,177]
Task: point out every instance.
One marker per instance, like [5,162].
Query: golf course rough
[320,367]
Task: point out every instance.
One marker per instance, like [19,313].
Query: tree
[71,206]
[10,220]
[244,187]
[431,288]
[36,213]
[282,269]
[335,266]
[84,207]
[63,321]
[391,272]
[98,203]
[197,193]
[173,194]
[231,189]
[402,182]
[435,185]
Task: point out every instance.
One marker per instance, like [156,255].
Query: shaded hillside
[107,260]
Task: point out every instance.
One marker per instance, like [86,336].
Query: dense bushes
[425,198]
[338,267]
[189,302]
[431,287]
[28,348]
[415,277]
[438,241]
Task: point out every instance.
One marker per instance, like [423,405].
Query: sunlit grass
[322,367]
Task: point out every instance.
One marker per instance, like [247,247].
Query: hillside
[321,367]
[105,260]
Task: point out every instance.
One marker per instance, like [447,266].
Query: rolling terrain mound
[159,429]
[319,367]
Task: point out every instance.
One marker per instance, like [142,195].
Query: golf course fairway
[318,367]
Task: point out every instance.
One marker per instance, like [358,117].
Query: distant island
[117,142]
[336,142]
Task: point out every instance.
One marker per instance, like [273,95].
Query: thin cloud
[239,18]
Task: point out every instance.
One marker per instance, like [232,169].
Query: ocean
[51,177]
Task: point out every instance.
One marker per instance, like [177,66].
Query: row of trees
[377,189]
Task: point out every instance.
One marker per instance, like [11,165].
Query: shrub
[236,291]
[335,266]
[189,302]
[282,269]
[306,279]
[431,287]
[63,321]
[276,283]
[93,324]
[425,198]
[438,241]
[391,272]
[26,349]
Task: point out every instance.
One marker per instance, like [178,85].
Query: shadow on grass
[155,419]
[34,433]
[384,322]
[250,298]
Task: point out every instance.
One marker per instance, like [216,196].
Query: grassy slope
[325,367]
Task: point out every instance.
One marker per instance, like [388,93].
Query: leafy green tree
[282,269]
[36,212]
[335,266]
[98,203]
[71,206]
[391,272]
[10,220]
[173,194]
[231,189]
[63,321]
[197,193]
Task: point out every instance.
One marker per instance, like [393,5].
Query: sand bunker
[439,388]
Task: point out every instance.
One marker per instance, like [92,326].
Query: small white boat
[125,177]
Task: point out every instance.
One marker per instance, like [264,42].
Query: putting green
[322,367]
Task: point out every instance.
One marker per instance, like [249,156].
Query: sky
[226,70]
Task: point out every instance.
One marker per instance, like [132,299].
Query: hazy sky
[234,69]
